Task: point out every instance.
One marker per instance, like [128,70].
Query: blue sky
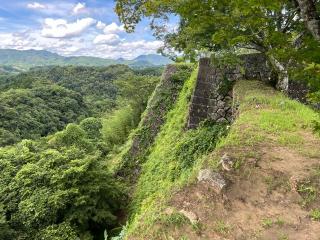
[72,28]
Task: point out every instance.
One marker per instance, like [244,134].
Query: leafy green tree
[92,127]
[273,28]
[135,90]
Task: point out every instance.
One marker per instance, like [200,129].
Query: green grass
[172,162]
[160,103]
[177,154]
[277,182]
[265,111]
[175,219]
[308,192]
[222,228]
[315,214]
[267,223]
[283,236]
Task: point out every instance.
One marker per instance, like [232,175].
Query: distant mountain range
[26,59]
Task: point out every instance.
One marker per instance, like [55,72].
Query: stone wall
[212,97]
[256,66]
[207,101]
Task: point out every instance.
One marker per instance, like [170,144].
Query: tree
[310,16]
[271,27]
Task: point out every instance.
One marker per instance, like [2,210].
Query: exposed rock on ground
[214,179]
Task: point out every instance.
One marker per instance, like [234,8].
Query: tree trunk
[310,16]
[283,76]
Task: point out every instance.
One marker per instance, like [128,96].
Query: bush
[117,127]
[92,127]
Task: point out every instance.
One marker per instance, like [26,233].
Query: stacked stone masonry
[210,103]
[207,102]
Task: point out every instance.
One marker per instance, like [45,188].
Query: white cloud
[113,28]
[53,8]
[100,25]
[109,39]
[88,43]
[79,8]
[60,28]
[36,5]
[128,50]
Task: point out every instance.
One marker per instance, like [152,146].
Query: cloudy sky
[71,28]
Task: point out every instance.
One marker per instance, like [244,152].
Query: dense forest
[74,193]
[44,100]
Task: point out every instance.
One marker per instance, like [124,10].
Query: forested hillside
[60,186]
[44,100]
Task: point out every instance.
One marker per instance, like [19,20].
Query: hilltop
[271,190]
[181,188]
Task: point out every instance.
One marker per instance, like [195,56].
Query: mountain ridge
[26,59]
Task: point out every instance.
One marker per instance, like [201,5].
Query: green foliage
[92,127]
[271,27]
[268,222]
[121,235]
[316,127]
[196,143]
[95,84]
[160,103]
[222,228]
[44,100]
[175,219]
[225,86]
[171,160]
[315,214]
[5,231]
[308,192]
[309,75]
[62,231]
[73,135]
[32,113]
[117,127]
[135,91]
[59,187]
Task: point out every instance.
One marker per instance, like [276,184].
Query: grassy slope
[170,164]
[160,103]
[277,169]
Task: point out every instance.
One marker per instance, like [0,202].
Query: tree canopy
[277,28]
[43,101]
[59,187]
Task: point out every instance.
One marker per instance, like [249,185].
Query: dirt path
[269,197]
